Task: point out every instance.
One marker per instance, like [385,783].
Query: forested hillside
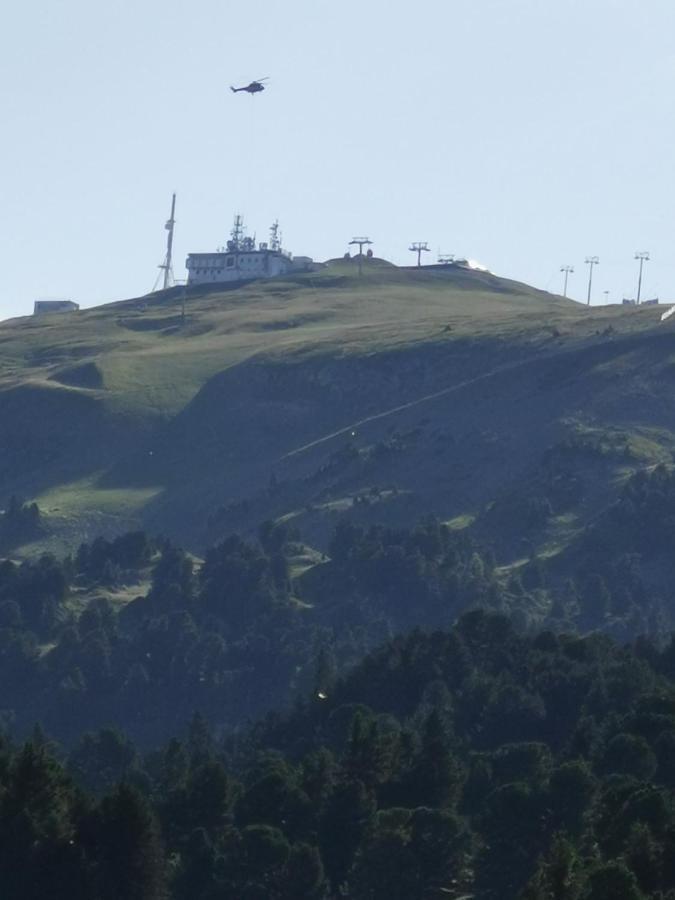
[338,587]
[467,763]
[136,632]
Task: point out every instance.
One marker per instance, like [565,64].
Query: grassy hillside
[394,394]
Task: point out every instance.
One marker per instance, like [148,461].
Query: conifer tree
[131,861]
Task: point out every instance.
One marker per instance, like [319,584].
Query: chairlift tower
[166,266]
[643,256]
[568,270]
[419,247]
[362,242]
[590,262]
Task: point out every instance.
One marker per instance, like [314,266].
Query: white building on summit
[243,260]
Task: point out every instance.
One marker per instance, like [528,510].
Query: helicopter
[255,87]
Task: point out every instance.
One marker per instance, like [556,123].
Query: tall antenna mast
[166,265]
[643,256]
[568,270]
[590,262]
[419,247]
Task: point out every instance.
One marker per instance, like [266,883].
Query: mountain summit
[327,395]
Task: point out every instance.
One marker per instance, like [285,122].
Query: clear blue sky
[522,133]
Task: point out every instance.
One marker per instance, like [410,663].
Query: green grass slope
[389,395]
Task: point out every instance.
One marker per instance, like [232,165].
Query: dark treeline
[240,633]
[473,761]
[19,522]
[487,748]
[234,636]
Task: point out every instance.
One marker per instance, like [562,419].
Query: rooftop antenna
[361,241]
[237,233]
[166,266]
[568,270]
[590,262]
[419,247]
[643,256]
[275,238]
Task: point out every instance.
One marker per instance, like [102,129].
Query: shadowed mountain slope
[392,395]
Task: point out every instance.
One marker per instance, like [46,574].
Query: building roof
[265,251]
